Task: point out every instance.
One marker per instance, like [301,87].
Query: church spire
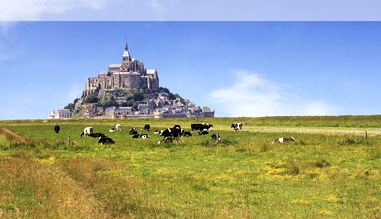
[126,53]
[126,47]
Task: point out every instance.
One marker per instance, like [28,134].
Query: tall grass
[30,189]
[243,176]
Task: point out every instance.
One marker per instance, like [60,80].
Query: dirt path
[8,134]
[319,130]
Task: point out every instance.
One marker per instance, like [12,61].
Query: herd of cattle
[169,134]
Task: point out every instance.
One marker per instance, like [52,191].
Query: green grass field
[332,171]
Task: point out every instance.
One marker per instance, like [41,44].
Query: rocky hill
[130,90]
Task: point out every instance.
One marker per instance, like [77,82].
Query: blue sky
[185,10]
[236,68]
[235,60]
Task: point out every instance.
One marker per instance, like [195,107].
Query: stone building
[129,75]
[60,114]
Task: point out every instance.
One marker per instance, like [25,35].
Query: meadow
[332,171]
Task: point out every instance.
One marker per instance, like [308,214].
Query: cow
[157,132]
[87,131]
[144,136]
[97,135]
[177,127]
[133,131]
[111,130]
[146,127]
[118,127]
[166,140]
[203,132]
[201,126]
[105,140]
[237,126]
[282,140]
[172,132]
[216,137]
[57,129]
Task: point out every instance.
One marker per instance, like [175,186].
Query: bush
[91,98]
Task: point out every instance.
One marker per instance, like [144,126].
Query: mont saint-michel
[129,90]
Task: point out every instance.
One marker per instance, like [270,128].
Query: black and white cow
[177,127]
[105,140]
[172,132]
[166,140]
[237,126]
[282,140]
[216,137]
[144,136]
[118,127]
[201,126]
[146,127]
[57,129]
[97,135]
[203,132]
[133,131]
[111,130]
[87,131]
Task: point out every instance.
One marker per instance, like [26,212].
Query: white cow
[118,127]
[282,140]
[87,131]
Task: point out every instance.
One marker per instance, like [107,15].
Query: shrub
[91,98]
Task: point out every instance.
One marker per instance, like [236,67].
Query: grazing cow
[133,131]
[203,132]
[157,132]
[87,131]
[282,140]
[166,140]
[118,127]
[105,140]
[172,132]
[177,127]
[57,129]
[201,126]
[144,136]
[97,135]
[237,126]
[146,127]
[111,130]
[216,137]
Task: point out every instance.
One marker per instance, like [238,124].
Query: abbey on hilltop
[129,90]
[129,75]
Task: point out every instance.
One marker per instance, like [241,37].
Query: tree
[91,98]
[163,89]
[70,106]
[138,97]
[109,102]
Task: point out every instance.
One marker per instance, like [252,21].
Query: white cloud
[254,95]
[21,10]
[162,7]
